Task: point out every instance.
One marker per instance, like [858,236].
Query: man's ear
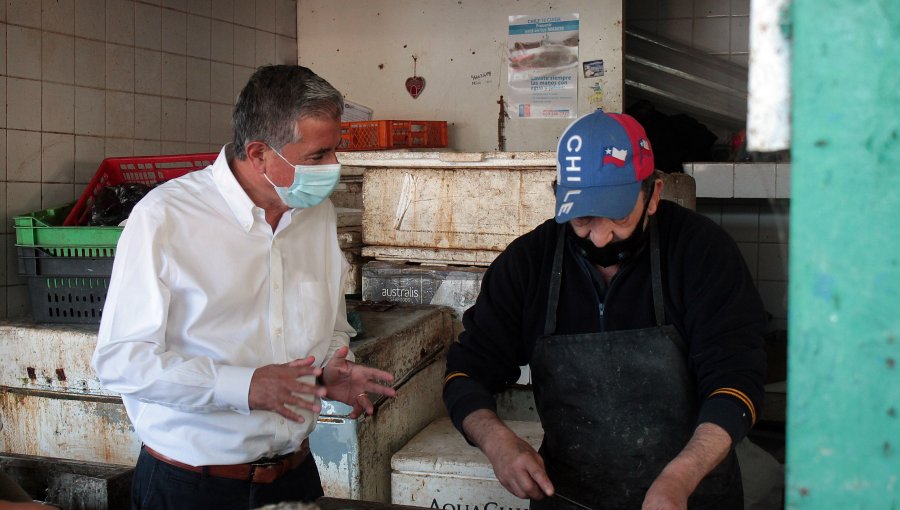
[256,152]
[657,194]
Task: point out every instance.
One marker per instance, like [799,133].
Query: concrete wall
[365,48]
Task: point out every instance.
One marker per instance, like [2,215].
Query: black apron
[617,406]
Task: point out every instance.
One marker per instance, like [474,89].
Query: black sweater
[709,294]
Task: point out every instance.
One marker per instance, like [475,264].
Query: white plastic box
[438,469]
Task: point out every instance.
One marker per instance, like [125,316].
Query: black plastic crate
[65,261]
[67,299]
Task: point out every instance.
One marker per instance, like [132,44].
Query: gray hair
[272,102]
[648,183]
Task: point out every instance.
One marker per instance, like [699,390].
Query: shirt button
[277,331]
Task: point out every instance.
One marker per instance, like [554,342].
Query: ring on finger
[363,394]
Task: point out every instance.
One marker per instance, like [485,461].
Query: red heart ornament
[415,85]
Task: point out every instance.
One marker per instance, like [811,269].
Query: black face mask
[616,252]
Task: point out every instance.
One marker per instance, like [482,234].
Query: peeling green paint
[843,446]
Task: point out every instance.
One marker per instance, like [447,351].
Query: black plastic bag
[113,204]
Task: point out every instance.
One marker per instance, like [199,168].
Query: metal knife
[571,501]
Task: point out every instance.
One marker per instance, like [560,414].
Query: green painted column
[843,449]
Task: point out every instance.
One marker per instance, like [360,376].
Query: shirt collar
[240,204]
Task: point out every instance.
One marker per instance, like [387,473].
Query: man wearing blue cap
[643,329]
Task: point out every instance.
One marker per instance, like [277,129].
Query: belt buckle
[265,472]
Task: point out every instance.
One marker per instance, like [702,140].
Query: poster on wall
[543,66]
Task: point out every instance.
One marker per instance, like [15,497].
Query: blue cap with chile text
[600,163]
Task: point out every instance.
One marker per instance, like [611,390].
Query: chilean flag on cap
[615,156]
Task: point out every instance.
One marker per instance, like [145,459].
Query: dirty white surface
[49,357]
[52,424]
[437,467]
[461,210]
[354,455]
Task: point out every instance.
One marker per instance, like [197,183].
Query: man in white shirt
[225,320]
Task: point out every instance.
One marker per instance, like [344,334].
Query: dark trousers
[161,486]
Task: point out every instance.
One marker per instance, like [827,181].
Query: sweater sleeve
[724,320]
[487,355]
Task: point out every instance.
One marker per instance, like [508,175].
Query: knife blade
[572,501]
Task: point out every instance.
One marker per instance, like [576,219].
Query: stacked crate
[68,264]
[347,201]
[435,221]
[65,438]
[349,233]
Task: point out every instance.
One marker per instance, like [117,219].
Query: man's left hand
[708,446]
[666,493]
[351,383]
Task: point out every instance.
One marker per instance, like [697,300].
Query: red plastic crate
[393,134]
[149,170]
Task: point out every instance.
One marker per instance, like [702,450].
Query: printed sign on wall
[543,66]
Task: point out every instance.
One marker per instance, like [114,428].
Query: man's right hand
[273,387]
[519,468]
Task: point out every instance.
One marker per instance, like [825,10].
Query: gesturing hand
[349,383]
[273,387]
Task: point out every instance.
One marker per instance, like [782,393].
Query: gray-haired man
[225,320]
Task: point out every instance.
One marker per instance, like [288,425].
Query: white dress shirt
[202,293]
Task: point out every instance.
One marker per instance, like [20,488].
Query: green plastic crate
[43,229]
[78,295]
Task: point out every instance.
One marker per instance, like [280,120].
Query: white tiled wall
[760,227]
[741,180]
[82,80]
[750,201]
[718,27]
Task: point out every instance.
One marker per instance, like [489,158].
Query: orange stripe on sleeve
[453,375]
[740,396]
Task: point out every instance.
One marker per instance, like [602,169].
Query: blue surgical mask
[312,184]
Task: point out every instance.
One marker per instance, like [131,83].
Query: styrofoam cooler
[463,208]
[438,469]
[349,233]
[453,286]
[52,403]
[409,341]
